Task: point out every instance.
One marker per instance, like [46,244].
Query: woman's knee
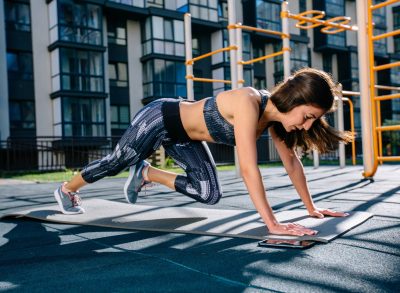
[210,194]
[107,166]
[213,197]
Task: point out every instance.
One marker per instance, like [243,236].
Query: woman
[293,112]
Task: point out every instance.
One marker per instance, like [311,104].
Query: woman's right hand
[291,229]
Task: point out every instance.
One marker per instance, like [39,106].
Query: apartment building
[83,68]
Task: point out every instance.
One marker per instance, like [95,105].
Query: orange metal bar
[386,66]
[388,128]
[207,79]
[389,158]
[383,4]
[316,14]
[386,35]
[191,61]
[264,57]
[387,97]
[343,20]
[256,29]
[318,21]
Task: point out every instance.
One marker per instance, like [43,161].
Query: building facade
[83,68]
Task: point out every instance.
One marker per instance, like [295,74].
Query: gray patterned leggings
[145,135]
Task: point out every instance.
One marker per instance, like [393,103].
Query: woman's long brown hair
[314,87]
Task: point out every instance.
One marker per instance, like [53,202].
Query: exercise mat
[204,221]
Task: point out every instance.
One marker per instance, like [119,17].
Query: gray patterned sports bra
[219,128]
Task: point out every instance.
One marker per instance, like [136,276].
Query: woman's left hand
[321,213]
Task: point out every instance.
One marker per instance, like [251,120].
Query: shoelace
[146,184]
[73,197]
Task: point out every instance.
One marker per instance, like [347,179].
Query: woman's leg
[76,183]
[201,181]
[144,135]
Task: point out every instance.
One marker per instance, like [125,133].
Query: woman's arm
[295,170]
[246,112]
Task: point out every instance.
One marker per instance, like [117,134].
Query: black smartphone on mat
[286,243]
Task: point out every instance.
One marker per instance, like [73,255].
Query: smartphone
[286,243]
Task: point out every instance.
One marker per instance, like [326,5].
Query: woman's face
[301,117]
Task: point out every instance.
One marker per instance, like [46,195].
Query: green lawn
[66,175]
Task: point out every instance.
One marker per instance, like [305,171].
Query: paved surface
[36,256]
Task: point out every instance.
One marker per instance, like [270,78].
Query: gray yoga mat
[216,222]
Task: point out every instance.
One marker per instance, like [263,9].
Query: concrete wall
[4,116]
[41,68]
[134,67]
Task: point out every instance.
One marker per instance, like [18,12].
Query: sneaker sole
[59,201]
[128,181]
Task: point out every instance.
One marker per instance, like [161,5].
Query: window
[334,7]
[278,64]
[80,22]
[195,47]
[396,26]
[268,15]
[137,3]
[81,70]
[260,83]
[302,8]
[155,3]
[119,116]
[379,19]
[164,78]
[83,117]
[327,62]
[246,46]
[258,52]
[204,9]
[223,10]
[299,58]
[380,45]
[354,67]
[17,16]
[22,114]
[116,33]
[163,36]
[118,74]
[338,39]
[19,65]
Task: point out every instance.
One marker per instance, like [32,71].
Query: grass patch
[60,176]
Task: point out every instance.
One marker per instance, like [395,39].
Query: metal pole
[239,55]
[363,65]
[316,159]
[189,56]
[342,154]
[233,63]
[286,41]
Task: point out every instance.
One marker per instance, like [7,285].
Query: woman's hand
[291,229]
[321,213]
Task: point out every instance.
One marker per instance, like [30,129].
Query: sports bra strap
[264,99]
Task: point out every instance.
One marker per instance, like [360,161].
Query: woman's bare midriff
[193,118]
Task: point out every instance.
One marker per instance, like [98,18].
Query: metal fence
[58,153]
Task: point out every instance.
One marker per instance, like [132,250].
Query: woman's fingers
[293,229]
[320,213]
[333,213]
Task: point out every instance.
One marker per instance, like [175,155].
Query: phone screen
[286,243]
